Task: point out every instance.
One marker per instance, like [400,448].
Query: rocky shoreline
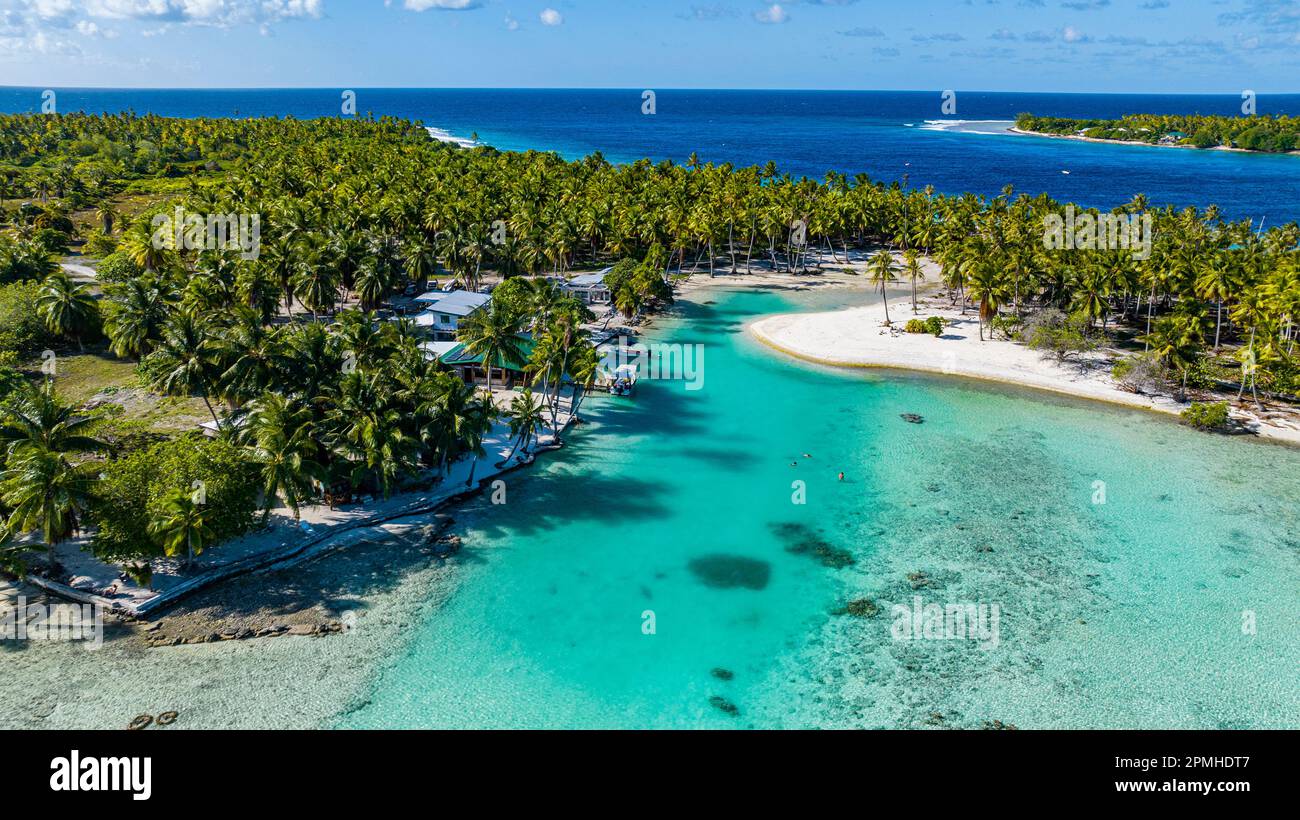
[295,601]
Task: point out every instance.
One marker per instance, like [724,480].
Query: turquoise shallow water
[1123,613]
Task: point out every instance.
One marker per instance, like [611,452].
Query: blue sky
[1012,45]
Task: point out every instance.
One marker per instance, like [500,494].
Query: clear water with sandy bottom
[677,506]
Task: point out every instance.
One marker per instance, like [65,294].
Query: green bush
[134,489]
[1058,335]
[934,326]
[1206,415]
[11,379]
[52,240]
[1008,326]
[21,329]
[117,267]
[1139,373]
[99,244]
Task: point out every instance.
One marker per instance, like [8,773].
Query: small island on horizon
[1257,133]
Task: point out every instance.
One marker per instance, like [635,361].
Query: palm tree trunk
[1218,322]
[1151,303]
[215,420]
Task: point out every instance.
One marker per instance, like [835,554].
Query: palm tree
[914,270]
[986,287]
[106,215]
[47,493]
[445,407]
[492,334]
[182,524]
[882,273]
[526,418]
[280,438]
[368,340]
[372,283]
[139,246]
[250,357]
[134,315]
[310,364]
[66,308]
[39,422]
[1176,341]
[1218,280]
[317,286]
[184,363]
[1092,294]
[478,421]
[369,431]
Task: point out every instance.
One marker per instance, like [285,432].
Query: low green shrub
[1139,373]
[21,330]
[934,326]
[1207,415]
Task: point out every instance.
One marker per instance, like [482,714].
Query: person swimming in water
[841,476]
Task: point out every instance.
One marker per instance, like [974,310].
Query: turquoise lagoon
[1171,604]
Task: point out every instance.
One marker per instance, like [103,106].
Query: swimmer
[841,476]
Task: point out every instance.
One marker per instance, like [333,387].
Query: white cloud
[51,8]
[204,12]
[62,27]
[551,17]
[772,14]
[443,5]
[511,23]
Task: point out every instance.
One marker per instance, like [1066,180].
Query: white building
[589,287]
[444,312]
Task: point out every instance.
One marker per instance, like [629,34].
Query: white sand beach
[858,337]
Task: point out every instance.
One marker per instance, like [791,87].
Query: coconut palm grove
[386,327]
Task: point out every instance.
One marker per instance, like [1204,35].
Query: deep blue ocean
[807,133]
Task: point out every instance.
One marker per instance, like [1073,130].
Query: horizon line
[636,89]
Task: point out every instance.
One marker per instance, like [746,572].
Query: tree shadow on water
[543,503]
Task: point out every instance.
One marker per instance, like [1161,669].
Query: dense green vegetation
[135,491]
[318,397]
[1257,133]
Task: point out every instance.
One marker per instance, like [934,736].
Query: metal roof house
[434,351]
[445,311]
[589,287]
[504,374]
